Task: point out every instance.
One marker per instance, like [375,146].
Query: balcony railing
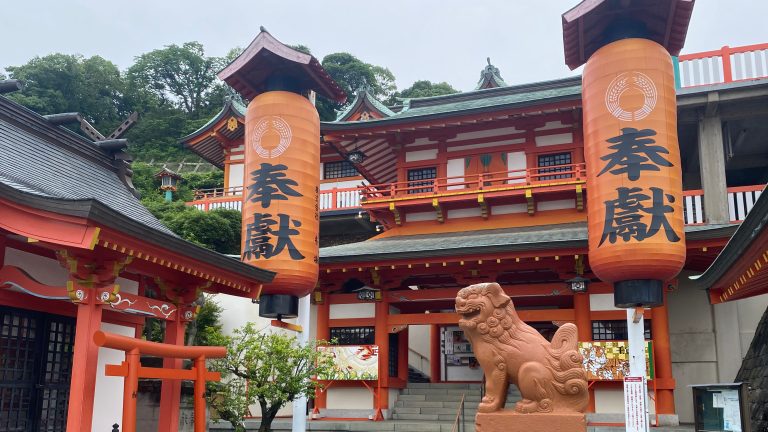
[232,198]
[725,65]
[522,179]
[740,201]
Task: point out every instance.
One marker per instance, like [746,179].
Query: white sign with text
[635,405]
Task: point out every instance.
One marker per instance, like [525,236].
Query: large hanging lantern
[280,208]
[634,179]
[281,216]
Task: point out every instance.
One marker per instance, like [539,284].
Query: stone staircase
[416,376]
[437,404]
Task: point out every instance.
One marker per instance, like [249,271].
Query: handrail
[535,176]
[459,427]
[218,192]
[724,65]
[423,357]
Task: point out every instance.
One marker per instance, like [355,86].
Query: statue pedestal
[510,421]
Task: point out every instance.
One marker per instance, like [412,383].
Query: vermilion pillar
[382,340]
[323,332]
[584,325]
[170,391]
[665,384]
[84,361]
[434,353]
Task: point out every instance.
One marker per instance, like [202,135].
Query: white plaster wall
[548,140]
[44,270]
[420,216]
[127,285]
[551,125]
[420,155]
[419,341]
[455,168]
[485,133]
[464,213]
[237,157]
[516,164]
[356,310]
[236,175]
[509,208]
[602,302]
[556,205]
[108,399]
[342,184]
[485,145]
[349,398]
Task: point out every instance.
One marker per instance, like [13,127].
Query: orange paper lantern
[634,179]
[281,216]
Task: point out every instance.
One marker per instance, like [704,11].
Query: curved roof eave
[396,120]
[230,106]
[100,213]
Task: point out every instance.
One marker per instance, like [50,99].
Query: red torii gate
[132,370]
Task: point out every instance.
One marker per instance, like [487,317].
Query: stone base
[510,421]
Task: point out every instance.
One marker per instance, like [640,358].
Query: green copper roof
[490,77]
[363,97]
[476,101]
[230,106]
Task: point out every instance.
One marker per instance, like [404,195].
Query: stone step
[421,403]
[416,416]
[445,385]
[428,391]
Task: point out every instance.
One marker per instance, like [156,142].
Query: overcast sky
[438,40]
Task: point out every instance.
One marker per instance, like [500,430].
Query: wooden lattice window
[421,177]
[615,330]
[353,335]
[339,169]
[554,160]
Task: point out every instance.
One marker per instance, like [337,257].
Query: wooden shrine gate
[132,370]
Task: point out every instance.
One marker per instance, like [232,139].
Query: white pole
[636,333]
[300,404]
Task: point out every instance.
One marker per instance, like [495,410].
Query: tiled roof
[478,100]
[364,97]
[482,241]
[490,77]
[41,165]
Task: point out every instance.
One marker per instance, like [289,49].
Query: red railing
[521,179]
[741,199]
[232,198]
[725,65]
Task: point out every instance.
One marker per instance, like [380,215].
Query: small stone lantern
[169,181]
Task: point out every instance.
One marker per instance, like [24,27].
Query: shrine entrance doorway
[35,370]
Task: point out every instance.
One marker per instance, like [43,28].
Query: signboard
[352,362]
[609,360]
[635,404]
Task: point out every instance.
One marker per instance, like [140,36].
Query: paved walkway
[283,425]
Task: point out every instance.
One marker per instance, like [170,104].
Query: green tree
[352,74]
[276,368]
[181,76]
[425,88]
[59,83]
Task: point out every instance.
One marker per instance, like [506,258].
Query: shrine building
[489,185]
[79,254]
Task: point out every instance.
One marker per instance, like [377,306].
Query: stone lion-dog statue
[550,376]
